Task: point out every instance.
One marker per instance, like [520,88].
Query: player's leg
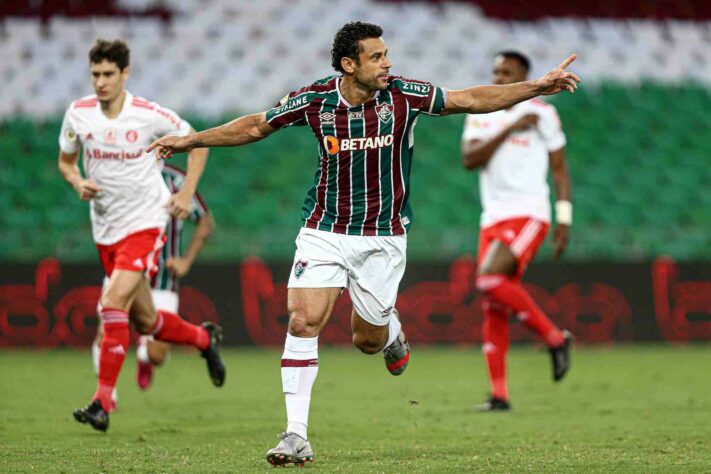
[96,355]
[495,329]
[495,335]
[376,266]
[309,310]
[499,278]
[169,327]
[96,347]
[149,352]
[317,279]
[114,303]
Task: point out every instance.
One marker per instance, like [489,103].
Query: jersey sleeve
[291,109]
[68,138]
[475,128]
[552,130]
[169,123]
[422,96]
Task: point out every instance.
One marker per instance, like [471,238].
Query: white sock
[299,367]
[393,328]
[142,349]
[95,353]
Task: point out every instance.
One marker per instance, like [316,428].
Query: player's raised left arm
[563,205]
[484,99]
[241,131]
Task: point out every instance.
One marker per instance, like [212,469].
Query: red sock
[113,352]
[512,294]
[496,345]
[170,327]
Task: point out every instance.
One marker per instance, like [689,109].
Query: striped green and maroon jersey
[164,280]
[361,186]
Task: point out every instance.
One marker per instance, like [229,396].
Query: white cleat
[292,449]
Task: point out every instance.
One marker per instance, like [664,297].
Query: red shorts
[523,235]
[137,252]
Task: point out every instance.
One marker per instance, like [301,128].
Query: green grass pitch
[621,409]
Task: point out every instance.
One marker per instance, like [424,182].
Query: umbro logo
[327,118]
[138,263]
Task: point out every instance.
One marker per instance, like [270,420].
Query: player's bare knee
[367,344]
[156,358]
[302,326]
[142,322]
[114,299]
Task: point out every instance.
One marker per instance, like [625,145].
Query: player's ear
[126,72]
[348,65]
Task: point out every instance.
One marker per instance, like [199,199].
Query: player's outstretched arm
[241,131]
[484,99]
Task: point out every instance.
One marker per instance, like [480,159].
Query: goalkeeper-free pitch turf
[621,409]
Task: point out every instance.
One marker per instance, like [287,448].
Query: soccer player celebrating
[130,206]
[357,213]
[172,265]
[513,148]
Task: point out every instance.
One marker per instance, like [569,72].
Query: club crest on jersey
[131,136]
[385,112]
[327,118]
[300,268]
[110,137]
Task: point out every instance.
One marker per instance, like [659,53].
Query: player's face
[374,67]
[108,80]
[508,71]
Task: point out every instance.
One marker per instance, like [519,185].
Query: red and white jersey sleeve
[514,182]
[133,192]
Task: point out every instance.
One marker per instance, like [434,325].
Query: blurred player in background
[130,207]
[172,266]
[357,213]
[514,149]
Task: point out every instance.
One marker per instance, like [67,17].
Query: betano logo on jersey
[333,145]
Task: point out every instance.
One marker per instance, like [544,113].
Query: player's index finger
[567,62]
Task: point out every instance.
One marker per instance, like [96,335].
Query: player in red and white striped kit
[130,205]
[514,148]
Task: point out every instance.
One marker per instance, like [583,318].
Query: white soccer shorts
[371,267]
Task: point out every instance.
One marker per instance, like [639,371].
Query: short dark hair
[520,57]
[115,51]
[345,43]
